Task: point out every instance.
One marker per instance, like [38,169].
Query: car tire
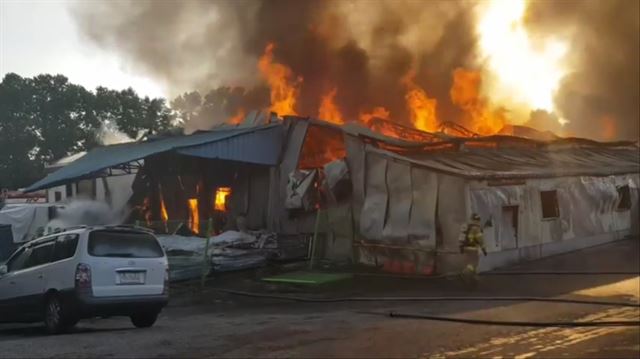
[144,319]
[56,316]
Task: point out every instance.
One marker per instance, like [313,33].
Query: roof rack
[64,229]
[80,226]
[131,226]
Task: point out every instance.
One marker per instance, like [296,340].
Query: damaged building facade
[379,197]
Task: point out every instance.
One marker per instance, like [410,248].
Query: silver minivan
[85,272]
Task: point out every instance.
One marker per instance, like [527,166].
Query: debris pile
[228,251]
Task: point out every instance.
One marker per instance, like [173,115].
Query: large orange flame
[422,109]
[194,216]
[328,110]
[465,93]
[377,112]
[284,89]
[220,199]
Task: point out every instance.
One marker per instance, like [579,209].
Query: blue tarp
[254,145]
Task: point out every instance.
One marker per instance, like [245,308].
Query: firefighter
[471,239]
[472,235]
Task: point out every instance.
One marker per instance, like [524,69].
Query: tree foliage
[197,112]
[46,117]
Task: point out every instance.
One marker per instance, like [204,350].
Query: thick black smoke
[364,48]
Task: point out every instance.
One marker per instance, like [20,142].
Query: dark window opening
[549,200]
[58,196]
[509,227]
[624,198]
[68,190]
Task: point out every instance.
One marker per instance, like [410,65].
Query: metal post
[314,239]
[205,259]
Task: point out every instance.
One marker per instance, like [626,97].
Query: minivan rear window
[123,244]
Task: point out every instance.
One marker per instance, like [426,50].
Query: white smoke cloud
[87,212]
[108,134]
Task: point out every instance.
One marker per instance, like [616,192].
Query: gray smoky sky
[605,57]
[363,48]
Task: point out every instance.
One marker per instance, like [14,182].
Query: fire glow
[518,74]
[163,210]
[220,198]
[421,108]
[281,81]
[328,110]
[237,118]
[466,86]
[194,216]
[523,73]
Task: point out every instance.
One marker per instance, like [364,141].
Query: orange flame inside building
[163,210]
[328,110]
[422,109]
[194,216]
[220,198]
[284,88]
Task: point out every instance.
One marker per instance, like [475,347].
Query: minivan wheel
[144,319]
[56,319]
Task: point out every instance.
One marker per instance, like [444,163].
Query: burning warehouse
[382,196]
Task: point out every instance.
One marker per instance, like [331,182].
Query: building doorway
[509,227]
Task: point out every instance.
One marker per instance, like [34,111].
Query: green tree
[131,113]
[64,117]
[18,133]
[46,117]
[218,105]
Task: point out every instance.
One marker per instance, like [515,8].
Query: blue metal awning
[261,145]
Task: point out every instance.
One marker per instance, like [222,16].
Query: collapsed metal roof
[513,157]
[527,162]
[259,144]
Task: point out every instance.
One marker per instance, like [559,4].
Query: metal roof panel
[104,157]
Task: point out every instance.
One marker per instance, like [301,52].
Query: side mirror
[3,270]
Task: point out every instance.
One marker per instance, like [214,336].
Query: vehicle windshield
[123,244]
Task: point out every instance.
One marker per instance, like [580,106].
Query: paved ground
[214,324]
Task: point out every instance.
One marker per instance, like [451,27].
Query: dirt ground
[217,324]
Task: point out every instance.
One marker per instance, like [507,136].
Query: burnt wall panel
[399,204]
[452,210]
[373,214]
[422,223]
[356,163]
[280,218]
[258,200]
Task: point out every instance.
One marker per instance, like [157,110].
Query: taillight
[83,276]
